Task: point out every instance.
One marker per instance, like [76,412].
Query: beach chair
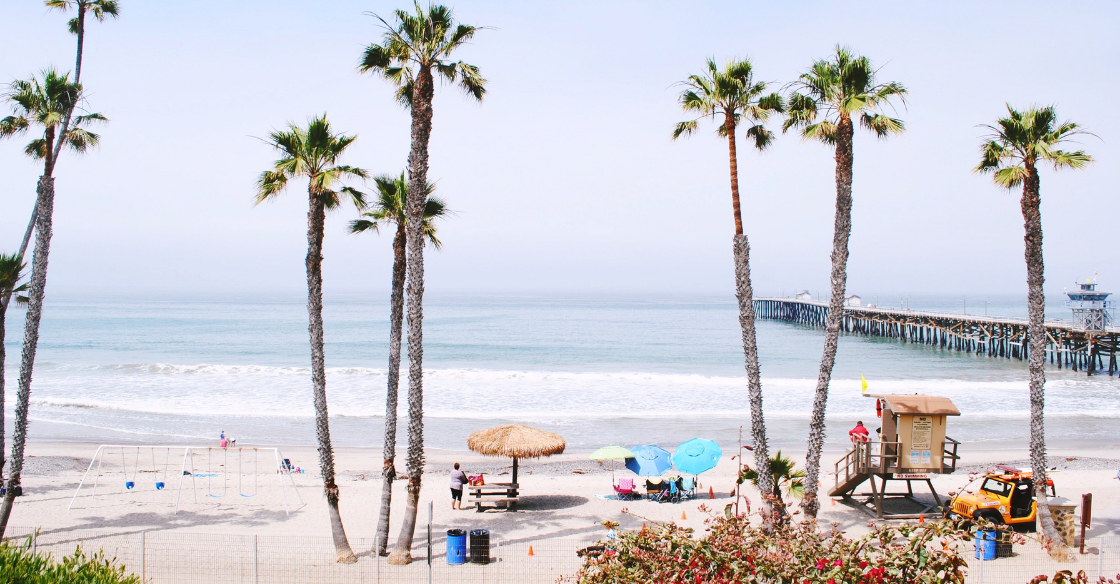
[624,489]
[653,488]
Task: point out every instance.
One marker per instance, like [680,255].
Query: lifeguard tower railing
[877,457]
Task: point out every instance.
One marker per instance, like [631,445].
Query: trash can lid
[480,532]
[456,532]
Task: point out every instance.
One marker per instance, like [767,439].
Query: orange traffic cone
[683,518]
[833,502]
[531,551]
[643,526]
[711,493]
[921,518]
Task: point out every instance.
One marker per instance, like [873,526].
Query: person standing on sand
[458,479]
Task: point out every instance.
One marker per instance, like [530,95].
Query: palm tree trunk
[841,231]
[396,322]
[316,215]
[3,360]
[1036,356]
[45,212]
[81,40]
[745,296]
[422,92]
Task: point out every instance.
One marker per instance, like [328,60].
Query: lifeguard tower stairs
[912,446]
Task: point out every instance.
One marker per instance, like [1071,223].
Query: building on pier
[803,295]
[1092,311]
[853,300]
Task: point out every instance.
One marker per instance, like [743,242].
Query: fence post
[256,563]
[1100,557]
[377,556]
[143,556]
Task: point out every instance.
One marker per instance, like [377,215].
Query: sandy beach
[560,495]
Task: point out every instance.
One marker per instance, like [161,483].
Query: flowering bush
[1068,577]
[735,551]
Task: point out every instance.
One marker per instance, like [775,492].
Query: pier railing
[994,336]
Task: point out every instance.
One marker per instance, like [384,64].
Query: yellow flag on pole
[864,380]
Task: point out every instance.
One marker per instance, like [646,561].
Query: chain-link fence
[187,558]
[1101,559]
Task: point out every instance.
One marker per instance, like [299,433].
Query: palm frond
[824,132]
[883,126]
[684,129]
[762,137]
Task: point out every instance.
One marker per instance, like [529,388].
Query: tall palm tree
[1011,154]
[411,53]
[102,9]
[822,106]
[43,103]
[389,209]
[313,152]
[11,272]
[731,97]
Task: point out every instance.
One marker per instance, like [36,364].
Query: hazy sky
[565,177]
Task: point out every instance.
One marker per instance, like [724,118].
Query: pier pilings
[1066,346]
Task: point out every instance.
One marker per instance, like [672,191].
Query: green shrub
[19,565]
[734,551]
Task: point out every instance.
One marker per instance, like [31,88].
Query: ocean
[597,369]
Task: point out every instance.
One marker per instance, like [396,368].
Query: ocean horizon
[597,369]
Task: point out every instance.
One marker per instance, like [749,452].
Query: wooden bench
[498,494]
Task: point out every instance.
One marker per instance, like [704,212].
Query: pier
[1067,344]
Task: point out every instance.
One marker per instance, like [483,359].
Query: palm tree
[44,103]
[785,478]
[729,96]
[101,10]
[389,209]
[411,53]
[1011,154]
[822,105]
[11,272]
[313,152]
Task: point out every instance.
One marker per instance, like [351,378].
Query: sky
[565,179]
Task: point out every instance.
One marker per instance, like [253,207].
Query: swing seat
[247,496]
[129,484]
[159,485]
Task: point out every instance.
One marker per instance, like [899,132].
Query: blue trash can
[985,542]
[456,547]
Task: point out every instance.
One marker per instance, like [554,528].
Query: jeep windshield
[998,488]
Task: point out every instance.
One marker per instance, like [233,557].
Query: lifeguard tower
[1092,311]
[911,446]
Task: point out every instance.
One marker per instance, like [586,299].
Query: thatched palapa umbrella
[516,441]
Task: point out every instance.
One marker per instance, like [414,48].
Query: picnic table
[497,494]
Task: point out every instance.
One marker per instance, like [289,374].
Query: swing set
[216,472]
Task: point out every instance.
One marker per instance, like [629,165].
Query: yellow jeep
[1004,498]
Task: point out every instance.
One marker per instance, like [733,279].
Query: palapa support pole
[515,470]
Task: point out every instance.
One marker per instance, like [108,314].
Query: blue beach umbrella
[649,461]
[697,456]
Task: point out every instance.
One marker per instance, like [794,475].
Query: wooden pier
[1066,346]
